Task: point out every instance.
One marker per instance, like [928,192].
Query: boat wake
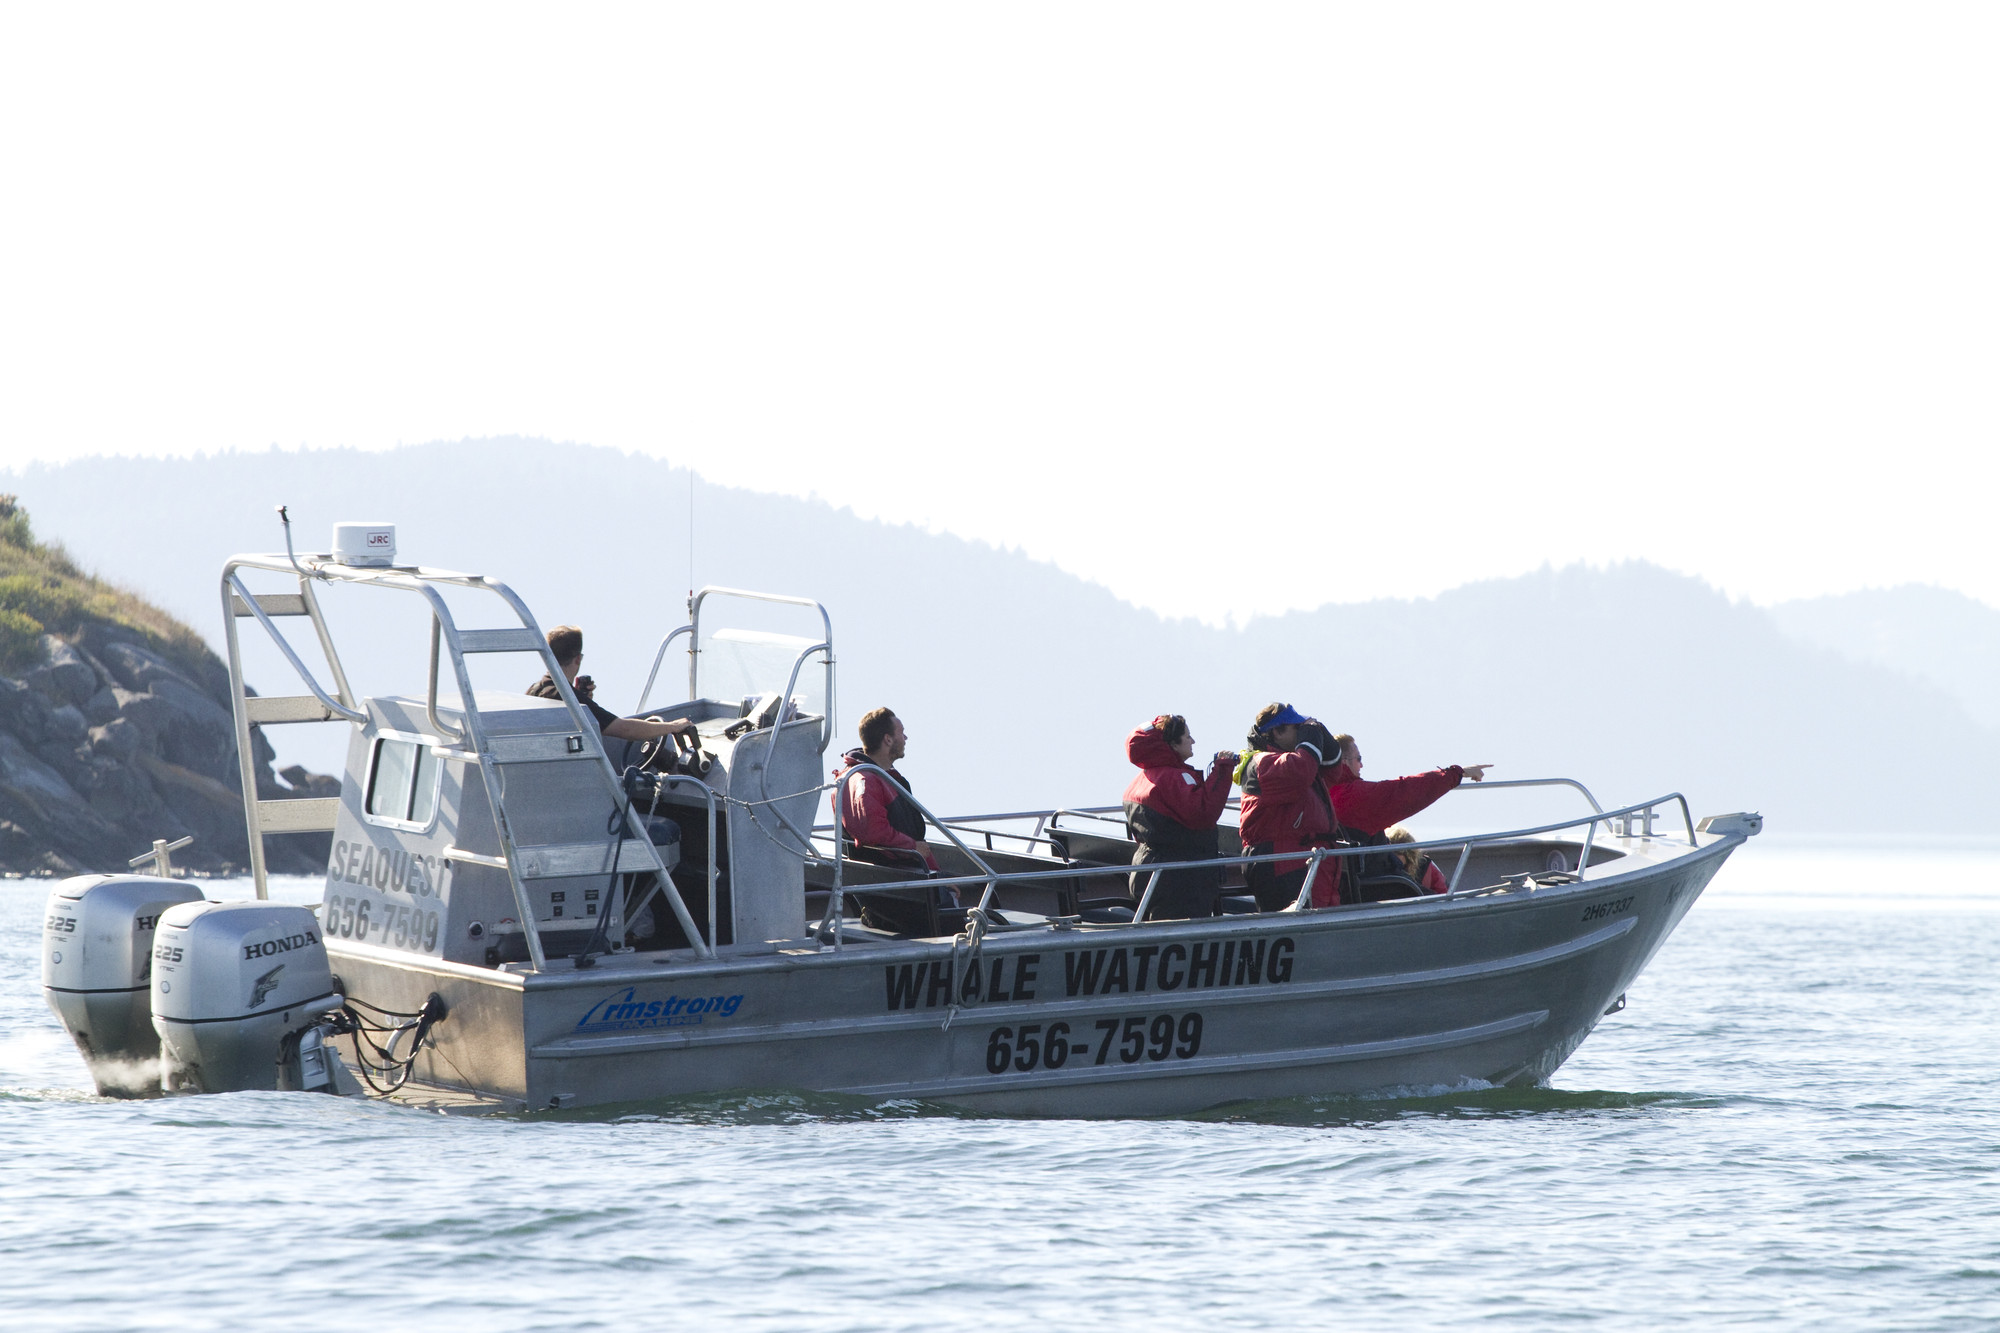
[766,1107]
[1471,1100]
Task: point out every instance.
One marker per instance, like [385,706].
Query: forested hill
[1018,681]
[115,727]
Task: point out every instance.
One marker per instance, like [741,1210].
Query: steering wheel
[674,753]
[657,755]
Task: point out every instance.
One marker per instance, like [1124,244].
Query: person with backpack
[1286,807]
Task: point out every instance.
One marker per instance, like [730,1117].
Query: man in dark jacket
[566,645]
[1171,811]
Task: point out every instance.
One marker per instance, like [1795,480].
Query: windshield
[740,664]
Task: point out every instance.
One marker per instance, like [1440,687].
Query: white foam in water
[1414,1092]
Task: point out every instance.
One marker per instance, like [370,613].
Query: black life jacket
[1371,864]
[1164,838]
[904,817]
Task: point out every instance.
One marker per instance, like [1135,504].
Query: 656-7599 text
[357,916]
[1051,1046]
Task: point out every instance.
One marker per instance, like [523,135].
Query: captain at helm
[566,644]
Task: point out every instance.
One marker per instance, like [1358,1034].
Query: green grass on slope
[43,592]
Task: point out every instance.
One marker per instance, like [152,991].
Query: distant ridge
[1019,681]
[1931,634]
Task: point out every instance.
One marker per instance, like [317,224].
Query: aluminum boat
[577,929]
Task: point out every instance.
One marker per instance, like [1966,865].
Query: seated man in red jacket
[1171,810]
[877,815]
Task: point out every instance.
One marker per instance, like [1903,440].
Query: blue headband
[1287,716]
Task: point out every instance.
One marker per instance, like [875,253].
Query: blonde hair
[1346,743]
[1413,861]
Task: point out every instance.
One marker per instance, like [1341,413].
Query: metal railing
[446,635]
[1315,857]
[836,901]
[974,824]
[1048,822]
[708,797]
[778,722]
[826,644]
[1503,784]
[693,630]
[659,657]
[1115,813]
[791,684]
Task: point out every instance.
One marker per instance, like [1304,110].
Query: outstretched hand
[1475,772]
[1224,759]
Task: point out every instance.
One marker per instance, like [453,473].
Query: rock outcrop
[107,742]
[106,746]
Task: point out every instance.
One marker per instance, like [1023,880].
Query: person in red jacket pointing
[1364,811]
[1371,807]
[1171,810]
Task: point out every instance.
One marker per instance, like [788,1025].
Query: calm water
[1793,1123]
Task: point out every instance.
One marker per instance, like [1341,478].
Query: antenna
[690,541]
[285,518]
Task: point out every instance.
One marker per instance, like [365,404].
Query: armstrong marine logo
[625,1013]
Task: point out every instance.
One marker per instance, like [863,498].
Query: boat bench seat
[1387,888]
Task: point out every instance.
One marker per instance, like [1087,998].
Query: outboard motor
[97,955]
[235,986]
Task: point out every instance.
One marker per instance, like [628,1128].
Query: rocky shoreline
[105,746]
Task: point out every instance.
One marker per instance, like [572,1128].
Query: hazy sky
[1232,308]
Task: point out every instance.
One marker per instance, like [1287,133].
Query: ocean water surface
[1792,1124]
